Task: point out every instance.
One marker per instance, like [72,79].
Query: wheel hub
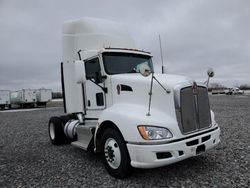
[109,154]
[112,153]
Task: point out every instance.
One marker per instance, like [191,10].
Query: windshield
[118,63]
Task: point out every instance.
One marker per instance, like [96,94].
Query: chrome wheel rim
[112,153]
[52,131]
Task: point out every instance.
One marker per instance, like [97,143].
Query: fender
[127,117]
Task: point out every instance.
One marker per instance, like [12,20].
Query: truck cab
[117,105]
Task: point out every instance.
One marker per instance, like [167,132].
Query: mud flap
[91,145]
[85,138]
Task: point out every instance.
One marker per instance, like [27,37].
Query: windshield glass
[118,63]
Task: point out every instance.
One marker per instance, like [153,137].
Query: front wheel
[115,154]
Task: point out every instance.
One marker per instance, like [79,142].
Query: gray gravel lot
[27,159]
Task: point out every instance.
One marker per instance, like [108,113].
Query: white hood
[141,87]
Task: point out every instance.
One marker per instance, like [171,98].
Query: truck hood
[134,89]
[138,82]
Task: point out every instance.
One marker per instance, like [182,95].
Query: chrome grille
[193,112]
[203,108]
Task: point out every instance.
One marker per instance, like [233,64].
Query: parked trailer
[218,91]
[4,99]
[116,105]
[43,96]
[23,98]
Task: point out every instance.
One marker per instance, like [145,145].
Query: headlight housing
[154,133]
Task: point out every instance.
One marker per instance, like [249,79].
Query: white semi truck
[116,105]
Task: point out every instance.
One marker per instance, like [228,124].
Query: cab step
[85,137]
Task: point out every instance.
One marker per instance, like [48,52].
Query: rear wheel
[56,132]
[115,154]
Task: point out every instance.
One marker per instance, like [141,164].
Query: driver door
[95,97]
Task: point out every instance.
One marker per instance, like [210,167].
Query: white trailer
[43,96]
[116,105]
[4,99]
[23,98]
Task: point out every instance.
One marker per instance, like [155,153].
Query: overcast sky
[196,35]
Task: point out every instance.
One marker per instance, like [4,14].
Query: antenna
[162,68]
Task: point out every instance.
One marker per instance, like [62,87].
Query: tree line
[218,86]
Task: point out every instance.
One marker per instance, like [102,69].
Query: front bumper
[145,156]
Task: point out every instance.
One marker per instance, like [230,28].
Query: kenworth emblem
[194,87]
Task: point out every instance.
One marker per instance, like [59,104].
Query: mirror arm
[151,91]
[167,91]
[79,54]
[105,90]
[104,77]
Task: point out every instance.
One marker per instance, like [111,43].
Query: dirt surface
[28,159]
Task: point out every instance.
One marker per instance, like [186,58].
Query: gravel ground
[27,159]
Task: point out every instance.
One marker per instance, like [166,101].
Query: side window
[99,99]
[92,67]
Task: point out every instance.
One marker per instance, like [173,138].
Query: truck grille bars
[192,109]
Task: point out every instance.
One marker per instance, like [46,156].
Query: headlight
[154,133]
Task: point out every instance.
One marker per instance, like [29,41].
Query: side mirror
[98,77]
[210,72]
[80,73]
[145,70]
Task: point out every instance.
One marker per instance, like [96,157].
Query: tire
[115,154]
[56,132]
